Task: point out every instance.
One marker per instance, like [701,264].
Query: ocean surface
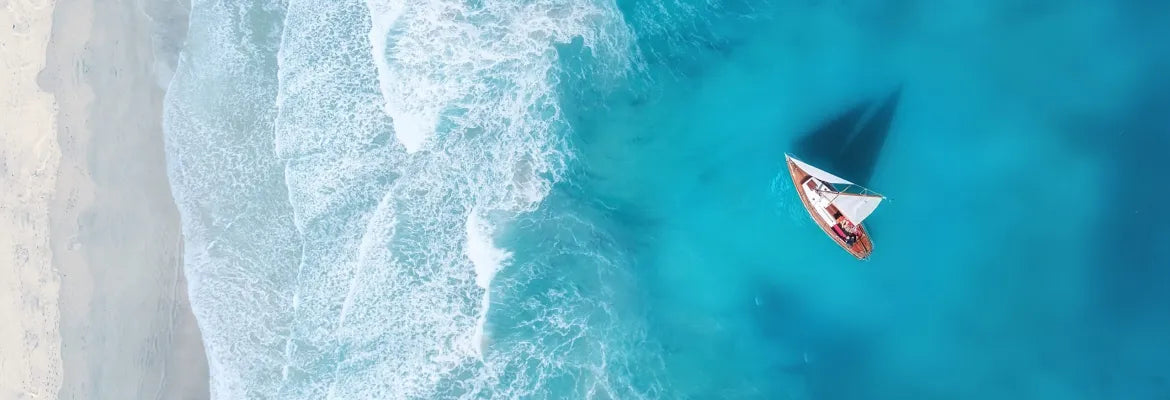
[554,199]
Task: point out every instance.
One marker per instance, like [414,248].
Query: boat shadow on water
[850,143]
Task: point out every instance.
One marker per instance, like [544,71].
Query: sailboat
[837,205]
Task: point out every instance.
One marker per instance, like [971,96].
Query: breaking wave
[346,172]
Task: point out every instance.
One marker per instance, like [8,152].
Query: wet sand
[100,294]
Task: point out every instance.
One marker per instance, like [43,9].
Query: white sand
[89,235]
[30,356]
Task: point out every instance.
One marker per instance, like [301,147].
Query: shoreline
[126,327]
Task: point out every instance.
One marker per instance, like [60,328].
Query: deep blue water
[585,199]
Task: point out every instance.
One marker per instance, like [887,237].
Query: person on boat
[850,226]
[847,230]
[845,224]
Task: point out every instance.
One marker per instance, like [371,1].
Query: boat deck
[861,247]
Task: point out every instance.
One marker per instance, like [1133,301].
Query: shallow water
[588,199]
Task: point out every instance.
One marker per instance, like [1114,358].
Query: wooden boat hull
[861,248]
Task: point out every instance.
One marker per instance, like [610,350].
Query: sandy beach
[89,235]
[30,356]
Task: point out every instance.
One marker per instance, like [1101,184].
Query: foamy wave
[471,90]
[487,260]
[561,318]
[342,263]
[449,69]
[226,182]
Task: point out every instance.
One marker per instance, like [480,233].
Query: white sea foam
[487,259]
[349,265]
[225,179]
[486,67]
[383,15]
[475,87]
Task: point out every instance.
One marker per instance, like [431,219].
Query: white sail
[856,207]
[819,173]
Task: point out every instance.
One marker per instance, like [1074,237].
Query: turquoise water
[586,199]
